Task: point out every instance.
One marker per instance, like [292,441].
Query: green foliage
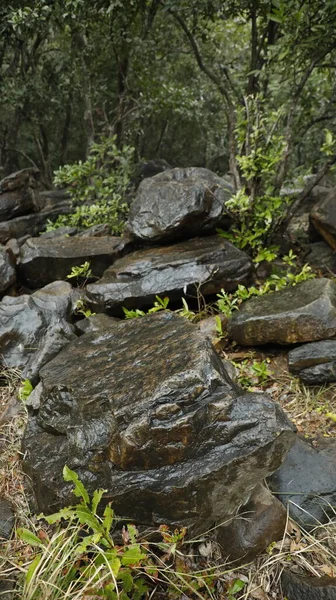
[25,390]
[159,304]
[83,271]
[228,302]
[185,311]
[82,309]
[97,186]
[252,374]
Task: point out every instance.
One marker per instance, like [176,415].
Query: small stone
[6,519]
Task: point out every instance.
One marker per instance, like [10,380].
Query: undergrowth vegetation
[97,187]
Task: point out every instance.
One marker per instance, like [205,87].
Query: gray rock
[17,194]
[257,524]
[101,230]
[43,260]
[298,587]
[323,217]
[6,519]
[146,410]
[7,270]
[59,232]
[95,323]
[179,203]
[34,328]
[31,224]
[314,363]
[304,313]
[306,483]
[202,265]
[322,257]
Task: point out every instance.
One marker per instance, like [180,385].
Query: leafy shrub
[97,187]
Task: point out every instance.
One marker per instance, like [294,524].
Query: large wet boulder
[17,194]
[179,203]
[45,260]
[200,265]
[314,363]
[306,483]
[301,313]
[7,270]
[323,217]
[320,256]
[34,328]
[146,410]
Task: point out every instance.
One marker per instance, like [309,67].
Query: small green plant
[219,327]
[83,271]
[159,304]
[227,303]
[235,587]
[82,309]
[185,311]
[25,390]
[254,373]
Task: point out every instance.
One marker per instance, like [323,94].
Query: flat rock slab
[146,410]
[304,313]
[323,217]
[31,224]
[306,483]
[7,270]
[298,587]
[43,260]
[200,265]
[178,203]
[34,328]
[314,363]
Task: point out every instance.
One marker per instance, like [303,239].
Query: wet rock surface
[258,523]
[323,217]
[314,363]
[299,587]
[7,269]
[34,328]
[322,257]
[306,483]
[6,519]
[304,313]
[146,410]
[17,194]
[179,203]
[45,260]
[31,224]
[202,265]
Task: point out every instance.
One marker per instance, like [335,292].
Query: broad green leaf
[32,568]
[97,496]
[108,517]
[236,586]
[79,490]
[127,581]
[132,555]
[30,538]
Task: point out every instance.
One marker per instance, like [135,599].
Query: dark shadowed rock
[95,323]
[306,483]
[6,519]
[146,410]
[202,264]
[7,270]
[322,257]
[258,523]
[323,217]
[304,313]
[17,194]
[179,203]
[314,363]
[43,260]
[31,224]
[34,328]
[299,587]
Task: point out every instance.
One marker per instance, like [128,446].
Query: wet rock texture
[299,587]
[314,363]
[7,270]
[31,224]
[199,265]
[45,260]
[17,194]
[179,203]
[6,519]
[257,524]
[323,217]
[34,328]
[306,483]
[304,313]
[146,410]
